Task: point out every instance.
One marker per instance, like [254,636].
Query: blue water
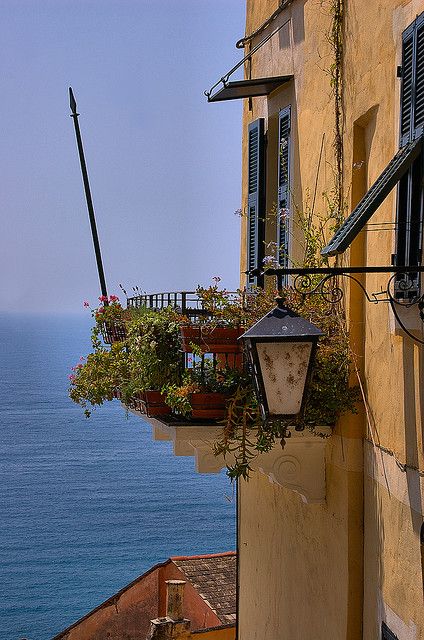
[85,505]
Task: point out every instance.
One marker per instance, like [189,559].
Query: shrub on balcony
[148,359]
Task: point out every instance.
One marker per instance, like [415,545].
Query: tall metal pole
[90,207]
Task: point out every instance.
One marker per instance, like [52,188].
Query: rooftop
[214,578]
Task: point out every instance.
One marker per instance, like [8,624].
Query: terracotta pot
[113,332]
[151,403]
[208,406]
[211,339]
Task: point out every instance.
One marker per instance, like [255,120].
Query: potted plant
[135,369]
[154,355]
[111,319]
[218,330]
[204,390]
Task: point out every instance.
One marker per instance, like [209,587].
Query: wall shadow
[413,394]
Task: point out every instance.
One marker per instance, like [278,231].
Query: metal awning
[374,197]
[246,88]
[249,88]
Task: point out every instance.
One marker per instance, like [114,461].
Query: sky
[164,165]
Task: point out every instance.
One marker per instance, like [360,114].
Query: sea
[86,505]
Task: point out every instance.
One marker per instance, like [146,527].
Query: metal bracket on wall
[324,281]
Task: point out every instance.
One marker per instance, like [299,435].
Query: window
[255,201]
[409,215]
[386,634]
[283,206]
[405,170]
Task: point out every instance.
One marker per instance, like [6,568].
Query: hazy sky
[164,165]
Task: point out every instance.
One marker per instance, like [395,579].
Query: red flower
[103,298]
[86,303]
[113,298]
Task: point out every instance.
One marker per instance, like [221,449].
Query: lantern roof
[282,322]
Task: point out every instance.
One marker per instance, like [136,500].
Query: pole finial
[72,102]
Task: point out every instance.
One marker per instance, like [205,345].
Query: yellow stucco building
[323,115]
[330,529]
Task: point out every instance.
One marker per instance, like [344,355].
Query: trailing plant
[148,359]
[98,377]
[328,397]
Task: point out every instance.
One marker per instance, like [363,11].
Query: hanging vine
[336,41]
[335,71]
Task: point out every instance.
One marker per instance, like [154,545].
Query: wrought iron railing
[188,303]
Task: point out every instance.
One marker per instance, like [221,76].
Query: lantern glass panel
[284,367]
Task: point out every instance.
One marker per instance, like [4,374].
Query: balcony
[174,359]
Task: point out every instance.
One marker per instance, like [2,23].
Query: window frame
[284,225]
[255,227]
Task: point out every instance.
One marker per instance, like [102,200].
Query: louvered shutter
[409,219]
[255,201]
[412,91]
[283,210]
[407,86]
[419,78]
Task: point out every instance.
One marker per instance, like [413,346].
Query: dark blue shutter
[412,91]
[255,201]
[283,209]
[409,218]
[407,86]
[397,170]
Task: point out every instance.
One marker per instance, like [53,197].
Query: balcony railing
[188,303]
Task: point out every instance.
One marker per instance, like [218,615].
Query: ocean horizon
[86,505]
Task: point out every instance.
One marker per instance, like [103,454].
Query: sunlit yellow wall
[304,568]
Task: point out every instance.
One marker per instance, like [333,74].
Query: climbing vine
[335,71]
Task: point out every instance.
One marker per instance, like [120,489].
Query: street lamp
[280,349]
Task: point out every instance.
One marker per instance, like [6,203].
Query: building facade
[350,96]
[208,603]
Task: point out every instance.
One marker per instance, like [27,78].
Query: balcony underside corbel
[300,466]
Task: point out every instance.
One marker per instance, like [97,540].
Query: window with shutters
[255,201]
[409,218]
[283,208]
[404,170]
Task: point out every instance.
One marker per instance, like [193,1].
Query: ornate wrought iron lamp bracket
[324,281]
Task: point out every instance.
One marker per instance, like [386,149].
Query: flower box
[151,403]
[208,406]
[113,332]
[211,339]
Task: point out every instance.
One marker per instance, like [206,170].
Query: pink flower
[82,358]
[78,366]
[86,303]
[100,310]
[71,378]
[113,298]
[103,298]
